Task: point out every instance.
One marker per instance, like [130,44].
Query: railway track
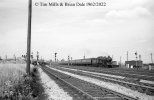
[84,90]
[134,85]
[147,75]
[147,80]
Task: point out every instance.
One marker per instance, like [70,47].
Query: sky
[114,29]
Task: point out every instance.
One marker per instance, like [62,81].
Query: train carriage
[99,61]
[78,62]
[86,62]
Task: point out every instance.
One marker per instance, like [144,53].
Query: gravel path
[53,91]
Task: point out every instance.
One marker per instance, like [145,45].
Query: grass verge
[26,88]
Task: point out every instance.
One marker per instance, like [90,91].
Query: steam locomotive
[39,62]
[98,62]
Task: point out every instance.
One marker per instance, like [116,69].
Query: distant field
[10,74]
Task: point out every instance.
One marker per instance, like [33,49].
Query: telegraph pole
[55,56]
[151,58]
[136,58]
[68,60]
[84,56]
[139,57]
[127,55]
[120,61]
[14,57]
[6,57]
[29,37]
[37,56]
[71,60]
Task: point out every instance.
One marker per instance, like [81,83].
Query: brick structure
[134,64]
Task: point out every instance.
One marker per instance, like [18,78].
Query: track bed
[82,90]
[134,85]
[130,73]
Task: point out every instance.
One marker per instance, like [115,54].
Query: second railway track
[143,88]
[84,90]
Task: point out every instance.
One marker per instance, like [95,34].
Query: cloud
[138,12]
[150,6]
[142,41]
[75,30]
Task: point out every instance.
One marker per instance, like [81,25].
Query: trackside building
[134,64]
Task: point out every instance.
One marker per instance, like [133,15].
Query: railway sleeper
[104,91]
[146,84]
[139,83]
[149,91]
[146,90]
[140,90]
[130,86]
[115,82]
[109,98]
[127,86]
[133,87]
[122,84]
